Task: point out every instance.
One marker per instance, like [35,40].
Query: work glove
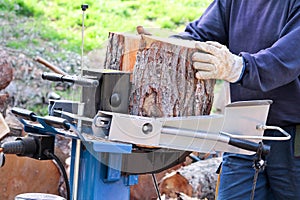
[215,61]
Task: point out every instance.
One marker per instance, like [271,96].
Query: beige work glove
[215,61]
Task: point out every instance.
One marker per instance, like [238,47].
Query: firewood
[22,175]
[6,71]
[4,129]
[163,78]
[163,82]
[174,184]
[121,51]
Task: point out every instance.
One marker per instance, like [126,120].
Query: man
[256,47]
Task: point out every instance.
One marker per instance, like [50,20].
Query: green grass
[28,24]
[17,44]
[60,21]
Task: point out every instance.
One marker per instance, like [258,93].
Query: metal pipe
[195,134]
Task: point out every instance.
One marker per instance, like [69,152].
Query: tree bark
[6,71]
[201,176]
[163,78]
[121,51]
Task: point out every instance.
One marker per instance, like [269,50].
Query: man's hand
[215,61]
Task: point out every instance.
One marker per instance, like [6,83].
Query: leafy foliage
[60,21]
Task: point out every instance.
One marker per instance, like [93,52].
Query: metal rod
[76,169]
[195,134]
[156,186]
[286,136]
[82,39]
[78,148]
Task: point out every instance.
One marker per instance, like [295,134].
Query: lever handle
[70,79]
[57,122]
[24,113]
[52,76]
[248,145]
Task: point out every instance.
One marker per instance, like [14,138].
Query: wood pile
[20,174]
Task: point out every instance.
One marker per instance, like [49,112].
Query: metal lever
[250,146]
[70,79]
[56,122]
[49,123]
[287,136]
[23,113]
[225,138]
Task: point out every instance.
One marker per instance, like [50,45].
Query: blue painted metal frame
[99,167]
[96,180]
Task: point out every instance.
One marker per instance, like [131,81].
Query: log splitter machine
[110,148]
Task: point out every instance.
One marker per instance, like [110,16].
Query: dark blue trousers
[279,180]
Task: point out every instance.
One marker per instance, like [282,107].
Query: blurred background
[51,29]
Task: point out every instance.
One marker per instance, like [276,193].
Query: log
[163,83]
[121,51]
[196,180]
[6,71]
[163,78]
[26,175]
[145,188]
[174,184]
[4,128]
[201,176]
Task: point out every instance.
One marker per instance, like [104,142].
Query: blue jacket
[266,33]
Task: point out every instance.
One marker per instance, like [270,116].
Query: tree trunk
[163,78]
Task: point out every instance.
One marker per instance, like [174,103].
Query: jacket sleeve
[283,57]
[211,26]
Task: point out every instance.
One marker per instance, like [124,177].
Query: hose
[62,169]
